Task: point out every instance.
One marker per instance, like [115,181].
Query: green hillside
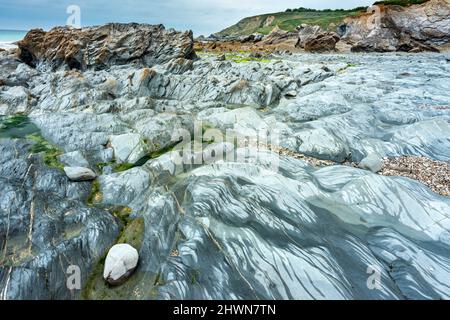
[286,21]
[291,18]
[403,3]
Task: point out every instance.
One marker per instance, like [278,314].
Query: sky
[201,16]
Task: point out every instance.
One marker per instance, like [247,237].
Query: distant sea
[7,37]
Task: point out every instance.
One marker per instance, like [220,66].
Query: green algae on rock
[96,287]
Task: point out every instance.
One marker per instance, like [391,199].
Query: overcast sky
[202,16]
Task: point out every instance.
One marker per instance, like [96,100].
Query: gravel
[434,174]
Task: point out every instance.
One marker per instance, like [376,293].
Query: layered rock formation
[279,38]
[385,28]
[314,39]
[257,225]
[105,46]
[276,40]
[47,231]
[393,28]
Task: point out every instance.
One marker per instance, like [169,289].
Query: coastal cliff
[384,27]
[423,27]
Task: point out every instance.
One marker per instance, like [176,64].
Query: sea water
[8,37]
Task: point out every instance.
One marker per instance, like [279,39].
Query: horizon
[198,15]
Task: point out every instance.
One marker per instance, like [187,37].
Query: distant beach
[8,37]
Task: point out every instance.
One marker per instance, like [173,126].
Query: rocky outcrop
[324,42]
[128,148]
[314,39]
[13,71]
[277,40]
[280,37]
[393,28]
[104,46]
[50,239]
[306,33]
[202,228]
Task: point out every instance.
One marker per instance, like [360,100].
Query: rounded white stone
[120,263]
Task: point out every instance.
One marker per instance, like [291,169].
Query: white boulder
[372,162]
[120,263]
[79,173]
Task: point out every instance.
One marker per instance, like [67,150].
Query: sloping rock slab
[104,46]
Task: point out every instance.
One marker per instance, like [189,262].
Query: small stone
[291,93]
[79,173]
[372,162]
[120,263]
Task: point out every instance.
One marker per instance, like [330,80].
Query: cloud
[202,16]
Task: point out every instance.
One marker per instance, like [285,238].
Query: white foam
[7,45]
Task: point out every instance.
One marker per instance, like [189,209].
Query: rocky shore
[383,28]
[91,179]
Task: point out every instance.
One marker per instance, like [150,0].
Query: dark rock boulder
[322,43]
[104,46]
[307,32]
[391,28]
[314,39]
[247,38]
[280,37]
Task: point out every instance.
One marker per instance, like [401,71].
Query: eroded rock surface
[47,232]
[257,226]
[314,39]
[393,28]
[104,46]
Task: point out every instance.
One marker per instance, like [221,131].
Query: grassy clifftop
[291,18]
[287,21]
[403,3]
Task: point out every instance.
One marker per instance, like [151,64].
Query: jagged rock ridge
[104,46]
[260,226]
